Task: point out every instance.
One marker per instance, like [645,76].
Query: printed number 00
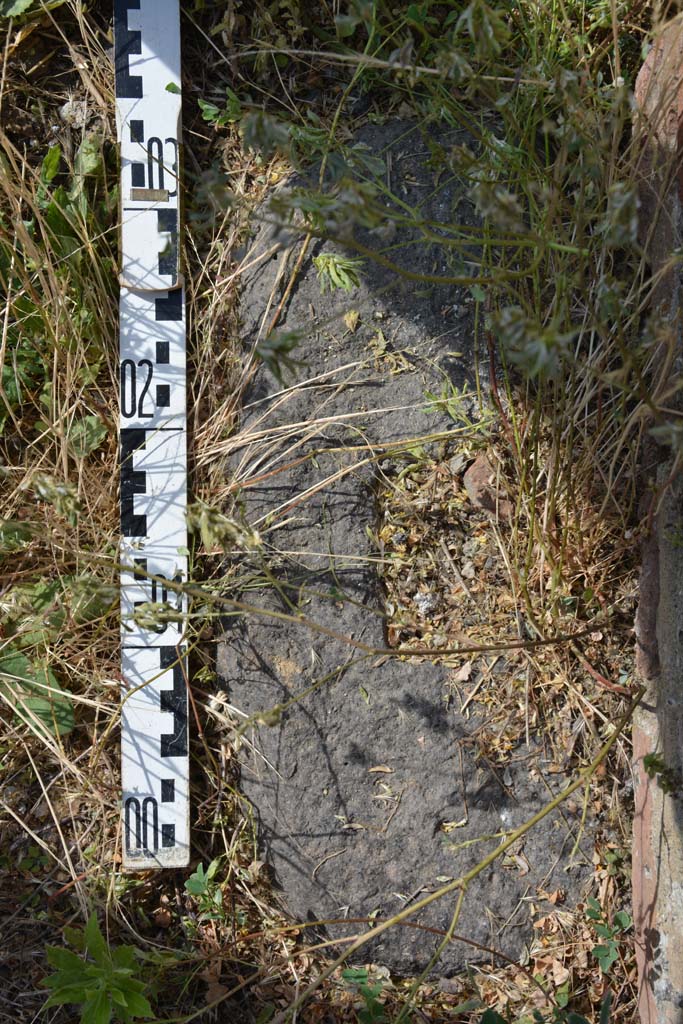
[130,403]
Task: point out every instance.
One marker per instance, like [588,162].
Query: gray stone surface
[367,790]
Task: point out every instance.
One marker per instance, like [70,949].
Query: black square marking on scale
[170,307]
[137,175]
[168,835]
[163,354]
[126,42]
[137,131]
[140,563]
[167,791]
[174,744]
[163,396]
[167,221]
[174,701]
[133,481]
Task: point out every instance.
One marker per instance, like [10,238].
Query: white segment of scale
[154,747]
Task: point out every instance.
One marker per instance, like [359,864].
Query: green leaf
[231,112]
[174,88]
[85,435]
[35,693]
[470,1004]
[44,595]
[88,159]
[138,1005]
[213,868]
[266,1014]
[562,995]
[61,494]
[210,112]
[90,598]
[605,1008]
[418,15]
[66,994]
[118,997]
[97,1009]
[123,956]
[23,370]
[36,613]
[61,217]
[623,920]
[67,979]
[605,955]
[95,942]
[233,107]
[537,349]
[337,271]
[124,976]
[14,535]
[346,24]
[64,959]
[195,886]
[593,909]
[275,349]
[486,28]
[492,1017]
[15,8]
[262,132]
[50,165]
[12,8]
[356,975]
[75,937]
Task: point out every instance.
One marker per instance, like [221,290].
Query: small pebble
[74,113]
[457,464]
[426,603]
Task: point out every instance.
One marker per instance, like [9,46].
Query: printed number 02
[131,405]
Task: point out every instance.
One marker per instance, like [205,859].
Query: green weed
[17,8]
[560,1015]
[222,116]
[106,984]
[456,402]
[207,892]
[373,1012]
[275,351]
[32,691]
[607,952]
[337,271]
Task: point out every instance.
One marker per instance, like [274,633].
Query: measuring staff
[153,424]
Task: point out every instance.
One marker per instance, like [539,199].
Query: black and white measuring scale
[153,424]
